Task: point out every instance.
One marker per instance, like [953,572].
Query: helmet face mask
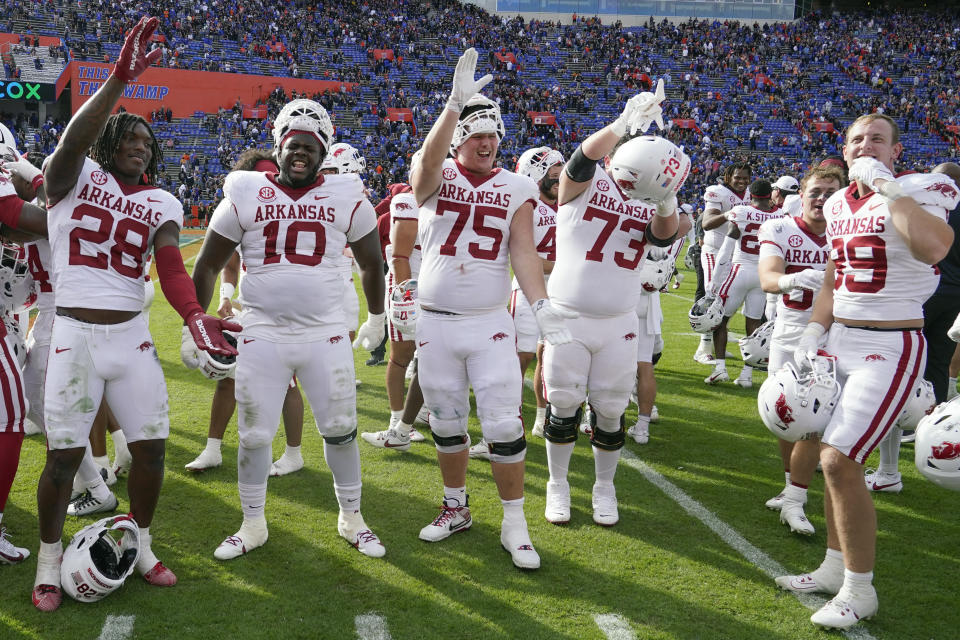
[306,116]
[479,115]
[8,145]
[649,168]
[921,402]
[216,366]
[535,163]
[706,314]
[755,348]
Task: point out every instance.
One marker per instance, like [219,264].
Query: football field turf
[692,555]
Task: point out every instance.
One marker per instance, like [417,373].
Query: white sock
[395,416]
[344,462]
[292,452]
[103,461]
[513,511]
[746,372]
[403,428]
[100,490]
[253,499]
[120,449]
[890,452]
[786,474]
[951,385]
[541,415]
[213,444]
[720,364]
[643,421]
[831,571]
[857,583]
[48,563]
[348,496]
[455,497]
[605,464]
[558,460]
[795,493]
[147,560]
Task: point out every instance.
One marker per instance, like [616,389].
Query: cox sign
[26,91]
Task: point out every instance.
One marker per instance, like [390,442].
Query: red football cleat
[160,576]
[47,597]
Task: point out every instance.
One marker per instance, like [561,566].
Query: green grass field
[661,571]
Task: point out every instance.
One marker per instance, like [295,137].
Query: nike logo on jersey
[247,340]
[320,197]
[497,186]
[876,205]
[61,350]
[149,199]
[423,343]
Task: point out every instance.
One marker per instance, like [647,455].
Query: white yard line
[371,626]
[614,626]
[738,543]
[117,628]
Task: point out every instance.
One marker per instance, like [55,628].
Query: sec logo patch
[266,193]
[603,185]
[795,241]
[449,174]
[98,177]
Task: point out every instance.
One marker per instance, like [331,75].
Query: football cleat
[242,542]
[286,464]
[387,439]
[516,540]
[480,450]
[450,521]
[122,462]
[885,482]
[843,614]
[776,502]
[654,414]
[208,459]
[160,576]
[47,597]
[745,382]
[416,436]
[537,429]
[10,554]
[87,505]
[355,531]
[423,416]
[557,510]
[792,514]
[376,357]
[640,433]
[605,505]
[808,583]
[109,477]
[704,356]
[718,375]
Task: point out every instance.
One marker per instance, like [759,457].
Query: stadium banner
[43,41]
[401,115]
[380,54]
[821,125]
[186,92]
[542,117]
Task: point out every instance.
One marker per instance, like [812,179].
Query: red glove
[207,332]
[133,59]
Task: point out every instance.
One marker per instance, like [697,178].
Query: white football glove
[551,321]
[666,207]
[808,346]
[640,111]
[954,332]
[188,350]
[866,170]
[810,279]
[23,169]
[371,332]
[464,84]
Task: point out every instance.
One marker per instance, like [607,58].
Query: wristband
[891,191]
[227,290]
[399,257]
[786,284]
[814,329]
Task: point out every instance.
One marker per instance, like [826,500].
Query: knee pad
[565,398]
[562,430]
[451,444]
[508,452]
[607,440]
[344,439]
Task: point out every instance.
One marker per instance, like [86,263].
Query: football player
[793,256]
[719,199]
[607,217]
[292,229]
[104,218]
[742,284]
[786,195]
[475,222]
[885,233]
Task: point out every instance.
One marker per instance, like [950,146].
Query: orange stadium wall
[185,92]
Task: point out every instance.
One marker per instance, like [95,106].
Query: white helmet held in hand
[797,405]
[306,116]
[755,348]
[921,402]
[8,145]
[404,307]
[656,270]
[535,163]
[937,447]
[706,314]
[479,115]
[649,168]
[94,564]
[216,366]
[344,158]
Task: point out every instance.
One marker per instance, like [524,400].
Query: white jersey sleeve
[464,232]
[721,198]
[100,236]
[791,240]
[403,206]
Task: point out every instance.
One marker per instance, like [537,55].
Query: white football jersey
[292,243]
[403,206]
[791,240]
[464,235]
[749,219]
[100,236]
[600,247]
[876,276]
[544,235]
[722,198]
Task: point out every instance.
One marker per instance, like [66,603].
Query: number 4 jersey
[291,241]
[100,235]
[876,276]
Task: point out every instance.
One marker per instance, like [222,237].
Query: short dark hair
[761,188]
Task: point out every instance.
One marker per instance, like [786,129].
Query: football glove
[464,84]
[808,345]
[667,207]
[207,332]
[551,321]
[24,169]
[371,332]
[954,332]
[189,354]
[866,170]
[640,111]
[134,58]
[810,279]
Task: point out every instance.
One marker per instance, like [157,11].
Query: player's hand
[808,345]
[667,206]
[464,84]
[23,168]
[640,111]
[552,322]
[371,332]
[226,308]
[188,349]
[134,58]
[954,332]
[810,279]
[867,170]
[207,332]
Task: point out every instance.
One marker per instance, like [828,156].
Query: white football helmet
[706,314]
[94,564]
[15,337]
[688,259]
[216,366]
[345,159]
[404,307]
[921,402]
[8,145]
[650,168]
[13,272]
[797,405]
[656,269]
[755,348]
[937,447]
[479,115]
[303,115]
[534,163]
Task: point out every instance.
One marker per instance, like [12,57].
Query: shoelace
[5,545]
[86,500]
[367,537]
[44,589]
[446,514]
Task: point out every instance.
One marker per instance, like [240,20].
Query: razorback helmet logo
[946,451]
[498,336]
[338,152]
[266,193]
[947,190]
[784,412]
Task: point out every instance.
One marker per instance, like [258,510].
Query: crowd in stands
[779,94]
